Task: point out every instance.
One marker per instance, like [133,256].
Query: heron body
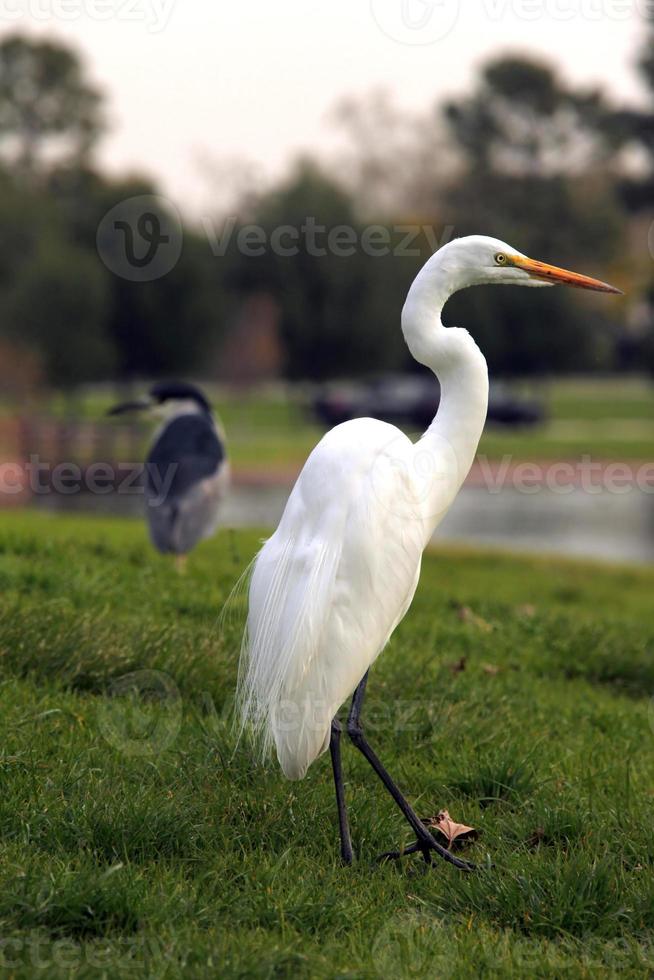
[186,478]
[339,573]
[186,471]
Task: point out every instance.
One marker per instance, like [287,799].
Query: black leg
[425,841]
[343,825]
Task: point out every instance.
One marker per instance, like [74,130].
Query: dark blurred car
[412,402]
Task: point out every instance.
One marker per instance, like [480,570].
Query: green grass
[137,839]
[608,418]
[605,418]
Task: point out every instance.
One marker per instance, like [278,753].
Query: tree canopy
[48,111]
[523,156]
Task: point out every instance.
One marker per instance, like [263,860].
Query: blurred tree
[524,157]
[516,164]
[167,326]
[535,157]
[21,371]
[522,120]
[52,295]
[56,306]
[395,161]
[174,324]
[80,320]
[339,306]
[48,111]
[635,127]
[535,171]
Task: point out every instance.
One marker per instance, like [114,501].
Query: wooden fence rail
[37,450]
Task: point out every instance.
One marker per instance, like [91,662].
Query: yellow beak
[551,273]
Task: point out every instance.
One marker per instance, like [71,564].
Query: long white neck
[451,353]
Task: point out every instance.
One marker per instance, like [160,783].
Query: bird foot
[425,850]
[425,847]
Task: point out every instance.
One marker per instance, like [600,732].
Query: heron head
[167,398]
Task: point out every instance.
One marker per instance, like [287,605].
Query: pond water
[609,526]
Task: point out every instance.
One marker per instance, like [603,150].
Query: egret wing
[327,590]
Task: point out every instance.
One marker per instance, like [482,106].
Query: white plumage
[339,573]
[328,588]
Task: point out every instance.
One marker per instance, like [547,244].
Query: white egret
[339,573]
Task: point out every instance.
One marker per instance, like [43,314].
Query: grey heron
[186,471]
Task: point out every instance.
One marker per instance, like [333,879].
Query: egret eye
[500,258]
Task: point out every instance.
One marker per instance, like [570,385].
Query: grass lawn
[137,839]
[608,418]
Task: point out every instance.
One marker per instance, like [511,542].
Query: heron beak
[554,275]
[135,406]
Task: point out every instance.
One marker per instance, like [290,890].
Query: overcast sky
[192,80]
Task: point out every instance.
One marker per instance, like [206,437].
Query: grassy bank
[138,840]
[607,418]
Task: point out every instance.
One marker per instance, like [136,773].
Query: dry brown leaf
[466,615]
[452,831]
[458,665]
[538,836]
[491,669]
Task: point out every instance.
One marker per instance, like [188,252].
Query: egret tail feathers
[282,700]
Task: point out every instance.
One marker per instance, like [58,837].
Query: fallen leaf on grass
[466,615]
[458,665]
[452,831]
[538,836]
[491,669]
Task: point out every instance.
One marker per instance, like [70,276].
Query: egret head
[477,259]
[167,398]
